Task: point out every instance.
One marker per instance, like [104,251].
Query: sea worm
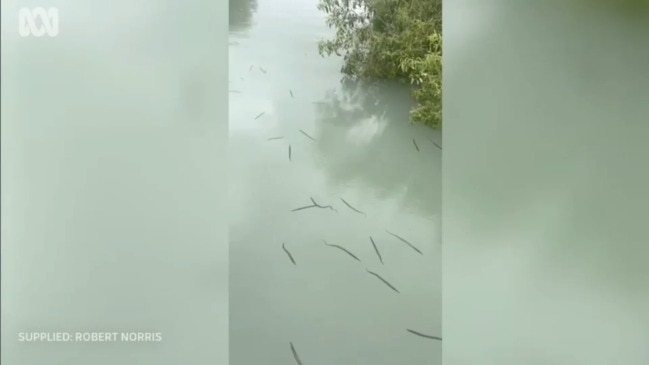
[342,249]
[274,138]
[259,115]
[250,69]
[314,205]
[424,335]
[404,241]
[304,207]
[322,206]
[262,70]
[352,208]
[415,143]
[383,280]
[288,253]
[289,152]
[308,136]
[295,355]
[436,145]
[376,249]
[291,92]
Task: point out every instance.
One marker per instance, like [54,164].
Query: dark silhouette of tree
[241,12]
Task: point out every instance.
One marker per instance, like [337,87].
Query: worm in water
[308,136]
[288,253]
[376,249]
[304,207]
[404,241]
[383,280]
[295,355]
[314,205]
[424,335]
[415,143]
[322,206]
[342,249]
[436,145]
[352,208]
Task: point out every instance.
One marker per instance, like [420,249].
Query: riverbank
[391,40]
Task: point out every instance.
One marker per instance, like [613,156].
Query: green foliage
[391,39]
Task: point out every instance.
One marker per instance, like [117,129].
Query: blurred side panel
[114,135]
[545,180]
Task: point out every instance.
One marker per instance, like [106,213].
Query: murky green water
[346,143]
[545,183]
[110,210]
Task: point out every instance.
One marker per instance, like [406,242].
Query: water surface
[346,142]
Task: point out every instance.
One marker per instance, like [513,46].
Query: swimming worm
[274,138]
[295,355]
[314,205]
[383,280]
[308,136]
[424,335]
[415,143]
[259,115]
[352,208]
[342,249]
[376,249]
[322,206]
[262,70]
[404,241]
[436,145]
[304,207]
[288,253]
[291,92]
[289,152]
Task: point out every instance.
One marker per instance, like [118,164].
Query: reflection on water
[351,148]
[240,13]
[365,139]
